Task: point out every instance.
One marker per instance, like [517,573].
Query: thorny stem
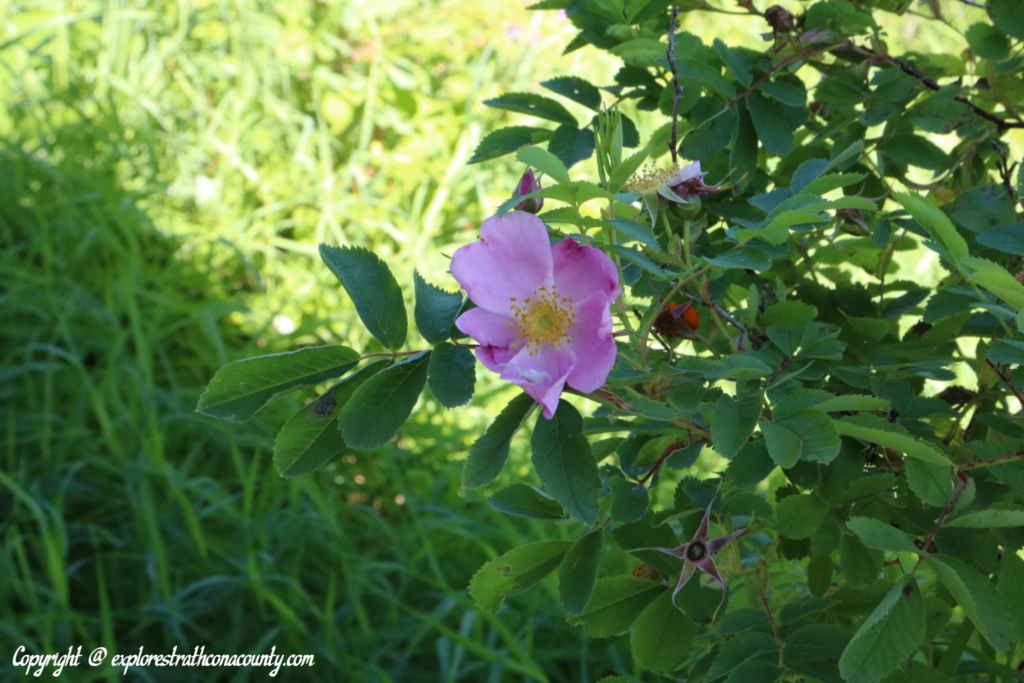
[988,462]
[1006,381]
[942,518]
[671,54]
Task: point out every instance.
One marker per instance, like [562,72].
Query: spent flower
[543,317]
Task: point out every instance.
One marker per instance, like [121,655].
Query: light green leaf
[565,463]
[988,519]
[662,635]
[852,402]
[616,602]
[932,483]
[310,438]
[435,310]
[977,597]
[514,572]
[383,403]
[987,41]
[876,534]
[545,161]
[788,314]
[524,500]
[995,279]
[488,454]
[799,516]
[733,422]
[452,374]
[892,633]
[627,168]
[578,572]
[373,290]
[240,389]
[936,223]
[900,442]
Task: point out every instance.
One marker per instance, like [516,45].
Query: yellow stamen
[546,319]
[650,179]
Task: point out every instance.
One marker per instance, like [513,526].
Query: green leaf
[808,434]
[852,402]
[310,437]
[616,602]
[819,575]
[799,516]
[931,483]
[876,534]
[1011,588]
[1007,352]
[745,504]
[575,89]
[788,314]
[534,105]
[373,290]
[734,652]
[710,136]
[741,257]
[240,389]
[751,465]
[578,571]
[892,633]
[629,500]
[936,223]
[435,310]
[794,611]
[565,463]
[488,454]
[733,422]
[1008,239]
[514,572]
[662,635]
[452,374]
[543,160]
[625,170]
[977,597]
[870,327]
[1008,15]
[984,207]
[770,123]
[988,519]
[740,620]
[524,500]
[995,279]
[641,534]
[819,640]
[860,565]
[736,62]
[917,150]
[637,231]
[755,671]
[383,403]
[904,443]
[572,145]
[507,140]
[833,181]
[987,41]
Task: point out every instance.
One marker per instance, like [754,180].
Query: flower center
[650,179]
[696,551]
[544,318]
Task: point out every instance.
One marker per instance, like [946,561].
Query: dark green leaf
[867,430]
[819,640]
[751,465]
[741,257]
[635,230]
[978,598]
[916,150]
[1008,15]
[373,290]
[736,62]
[799,516]
[738,650]
[876,534]
[987,41]
[578,571]
[1007,352]
[860,564]
[712,135]
[534,105]
[629,500]
[931,483]
[662,635]
[310,437]
[984,207]
[575,89]
[809,434]
[507,140]
[488,454]
[435,310]
[819,575]
[936,223]
[642,535]
[742,619]
[383,403]
[1011,588]
[565,463]
[1008,239]
[798,609]
[525,501]
[616,602]
[514,572]
[733,422]
[772,128]
[988,519]
[452,374]
[891,634]
[571,145]
[240,389]
[755,671]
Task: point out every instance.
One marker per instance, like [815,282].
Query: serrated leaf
[788,314]
[565,463]
[798,609]
[514,572]
[879,535]
[772,128]
[627,168]
[977,597]
[629,500]
[534,105]
[741,257]
[988,519]
[1011,588]
[451,375]
[799,516]
[662,635]
[1008,239]
[734,652]
[740,620]
[310,438]
[435,310]
[637,231]
[987,41]
[819,575]
[506,140]
[900,442]
[524,500]
[983,207]
[575,89]
[931,483]
[861,565]
[736,62]
[383,403]
[751,465]
[240,389]
[892,633]
[488,454]
[995,279]
[936,223]
[572,145]
[833,181]
[543,160]
[819,640]
[733,422]
[373,289]
[808,434]
[616,602]
[578,572]
[852,402]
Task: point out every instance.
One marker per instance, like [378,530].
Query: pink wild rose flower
[543,316]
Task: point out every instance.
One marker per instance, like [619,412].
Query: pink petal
[494,334]
[679,552]
[592,342]
[580,271]
[684,576]
[716,544]
[702,530]
[708,566]
[513,261]
[541,375]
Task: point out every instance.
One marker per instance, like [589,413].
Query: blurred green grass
[168,171]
